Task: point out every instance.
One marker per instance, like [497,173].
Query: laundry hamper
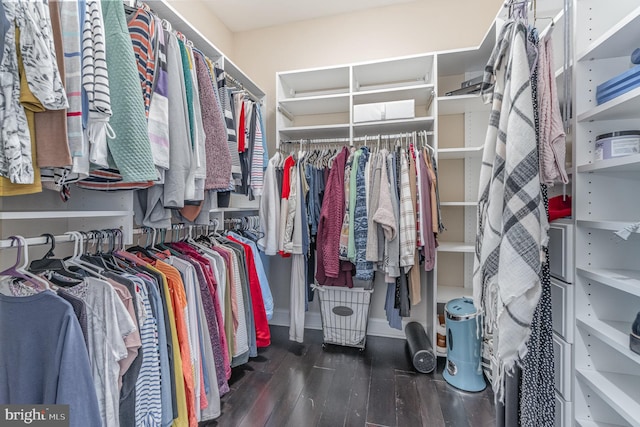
[344,313]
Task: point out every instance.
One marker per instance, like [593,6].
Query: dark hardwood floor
[291,384]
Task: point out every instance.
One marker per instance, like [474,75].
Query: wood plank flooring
[291,384]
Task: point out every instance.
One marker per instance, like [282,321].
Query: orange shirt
[179,300]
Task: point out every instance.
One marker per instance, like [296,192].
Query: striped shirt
[95,78]
[257,158]
[148,385]
[142,29]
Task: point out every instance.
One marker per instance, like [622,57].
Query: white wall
[207,22]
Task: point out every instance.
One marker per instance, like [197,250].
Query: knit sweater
[216,148]
[331,216]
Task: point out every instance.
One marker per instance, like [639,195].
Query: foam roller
[422,355]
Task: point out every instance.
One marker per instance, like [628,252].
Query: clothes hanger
[77,261]
[57,271]
[22,260]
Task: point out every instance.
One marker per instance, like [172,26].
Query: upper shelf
[316,105]
[620,40]
[461,104]
[316,81]
[625,106]
[605,225]
[422,94]
[407,71]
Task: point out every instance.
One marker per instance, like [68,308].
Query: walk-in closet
[389,213]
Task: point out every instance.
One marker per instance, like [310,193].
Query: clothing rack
[364,138]
[239,83]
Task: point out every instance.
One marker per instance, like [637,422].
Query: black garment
[537,382]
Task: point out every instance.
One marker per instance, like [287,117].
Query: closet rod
[239,83]
[355,139]
[35,241]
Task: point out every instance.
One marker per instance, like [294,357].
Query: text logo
[34,415]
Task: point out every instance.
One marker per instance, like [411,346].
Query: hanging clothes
[51,365]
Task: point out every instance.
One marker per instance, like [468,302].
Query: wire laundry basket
[344,313]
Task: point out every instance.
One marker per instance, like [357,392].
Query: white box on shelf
[400,109]
[377,111]
[368,112]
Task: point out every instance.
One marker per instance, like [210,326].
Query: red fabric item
[331,216]
[289,163]
[263,333]
[241,133]
[559,208]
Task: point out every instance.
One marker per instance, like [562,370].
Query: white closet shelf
[422,94]
[393,126]
[316,104]
[619,164]
[590,423]
[327,80]
[236,209]
[614,334]
[447,293]
[619,40]
[623,280]
[398,71]
[466,204]
[625,106]
[461,104]
[464,247]
[460,153]
[605,225]
[620,391]
[61,214]
[320,131]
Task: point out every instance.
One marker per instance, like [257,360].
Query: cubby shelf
[618,390]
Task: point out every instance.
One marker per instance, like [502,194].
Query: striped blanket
[512,225]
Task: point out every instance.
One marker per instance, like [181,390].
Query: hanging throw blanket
[512,225]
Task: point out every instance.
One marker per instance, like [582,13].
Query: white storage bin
[368,112]
[377,111]
[400,110]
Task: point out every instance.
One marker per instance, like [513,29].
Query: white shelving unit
[607,294]
[318,103]
[459,153]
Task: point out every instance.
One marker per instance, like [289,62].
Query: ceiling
[243,15]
